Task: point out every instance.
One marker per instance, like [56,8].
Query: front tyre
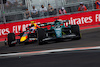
[11,38]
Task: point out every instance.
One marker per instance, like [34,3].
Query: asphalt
[90,37]
[63,59]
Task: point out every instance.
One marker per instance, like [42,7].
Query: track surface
[65,59]
[89,38]
[88,58]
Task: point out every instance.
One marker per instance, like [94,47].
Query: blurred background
[19,10]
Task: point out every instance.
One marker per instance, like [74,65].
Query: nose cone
[23,38]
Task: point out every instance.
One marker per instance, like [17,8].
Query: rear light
[30,41]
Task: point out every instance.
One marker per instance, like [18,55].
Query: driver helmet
[32,22]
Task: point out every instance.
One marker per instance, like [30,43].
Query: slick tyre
[40,35]
[76,30]
[11,37]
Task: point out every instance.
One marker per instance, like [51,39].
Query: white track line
[48,51]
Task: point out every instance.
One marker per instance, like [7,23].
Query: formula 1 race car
[58,31]
[26,36]
[40,32]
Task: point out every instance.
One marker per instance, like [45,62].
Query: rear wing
[52,23]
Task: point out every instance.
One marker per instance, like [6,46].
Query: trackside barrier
[83,19]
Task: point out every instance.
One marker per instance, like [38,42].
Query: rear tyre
[76,30]
[11,37]
[40,35]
